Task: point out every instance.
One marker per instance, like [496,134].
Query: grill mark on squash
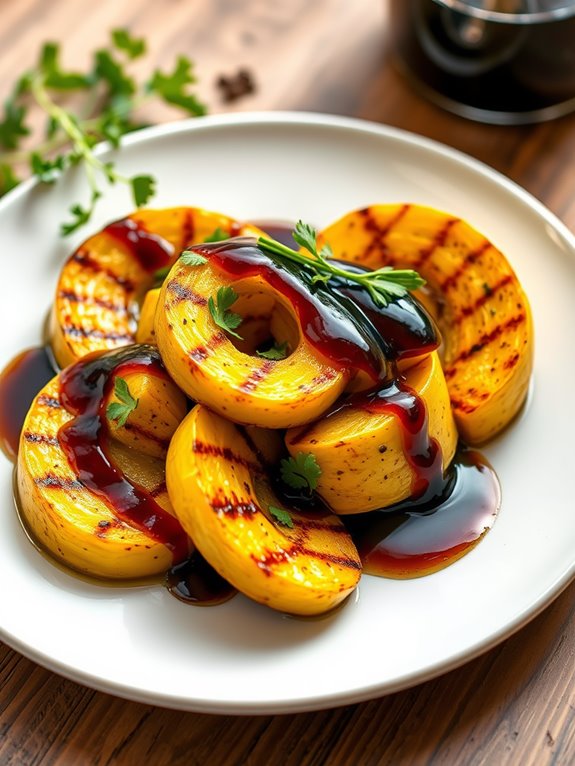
[379,233]
[257,375]
[38,438]
[490,291]
[183,293]
[270,559]
[227,454]
[86,261]
[234,508]
[49,401]
[74,297]
[511,324]
[438,241]
[76,331]
[201,353]
[54,481]
[451,282]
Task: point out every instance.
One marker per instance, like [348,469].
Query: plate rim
[379,689]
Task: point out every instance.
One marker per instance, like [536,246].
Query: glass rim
[505,17]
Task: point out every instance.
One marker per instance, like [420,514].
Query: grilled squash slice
[223,499]
[371,450]
[477,300]
[79,527]
[227,375]
[101,285]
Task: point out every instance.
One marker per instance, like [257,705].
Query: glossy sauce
[84,388]
[195,582]
[331,320]
[150,250]
[20,381]
[416,539]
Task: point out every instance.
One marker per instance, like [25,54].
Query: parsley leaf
[301,472]
[132,46]
[281,515]
[54,76]
[106,97]
[119,411]
[7,179]
[305,236]
[47,170]
[227,320]
[173,87]
[189,258]
[275,352]
[143,188]
[12,127]
[217,235]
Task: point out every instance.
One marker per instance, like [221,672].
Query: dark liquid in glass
[494,71]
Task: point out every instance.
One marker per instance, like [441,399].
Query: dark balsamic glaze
[332,319]
[195,582]
[84,388]
[405,328]
[20,381]
[150,250]
[413,539]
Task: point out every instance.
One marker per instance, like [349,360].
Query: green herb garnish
[189,258]
[301,472]
[107,97]
[119,411]
[275,352]
[382,284]
[282,516]
[217,235]
[219,309]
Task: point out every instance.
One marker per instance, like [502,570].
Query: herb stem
[382,284]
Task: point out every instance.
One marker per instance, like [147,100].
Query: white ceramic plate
[240,657]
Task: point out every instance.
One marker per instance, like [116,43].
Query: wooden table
[513,705]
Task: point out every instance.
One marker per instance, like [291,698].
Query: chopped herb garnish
[282,516]
[217,235]
[383,284]
[219,309]
[119,411]
[189,258]
[105,99]
[301,472]
[275,352]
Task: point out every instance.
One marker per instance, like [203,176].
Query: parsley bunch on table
[105,100]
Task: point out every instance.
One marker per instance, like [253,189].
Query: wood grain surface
[513,705]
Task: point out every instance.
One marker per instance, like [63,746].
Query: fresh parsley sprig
[120,411]
[383,284]
[301,472]
[276,352]
[281,516]
[219,309]
[108,97]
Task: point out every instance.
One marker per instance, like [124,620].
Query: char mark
[451,282]
[485,340]
[489,291]
[49,401]
[58,482]
[256,376]
[86,261]
[183,293]
[438,241]
[75,331]
[227,454]
[36,438]
[73,297]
